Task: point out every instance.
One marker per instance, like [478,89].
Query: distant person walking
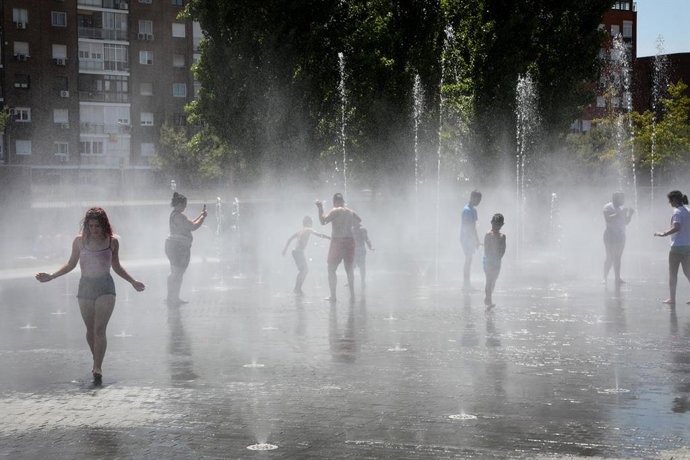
[617,218]
[342,246]
[302,237]
[96,249]
[178,245]
[362,242]
[494,249]
[680,242]
[469,238]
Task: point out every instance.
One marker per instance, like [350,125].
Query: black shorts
[93,288]
[178,253]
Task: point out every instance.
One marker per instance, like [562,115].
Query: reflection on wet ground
[563,369]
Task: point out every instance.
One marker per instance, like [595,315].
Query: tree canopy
[269,74]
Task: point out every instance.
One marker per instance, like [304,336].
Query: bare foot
[669,302]
[490,306]
[330,299]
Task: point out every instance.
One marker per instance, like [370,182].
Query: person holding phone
[178,245]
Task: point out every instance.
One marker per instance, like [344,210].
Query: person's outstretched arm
[68,267]
[319,206]
[320,235]
[675,228]
[120,270]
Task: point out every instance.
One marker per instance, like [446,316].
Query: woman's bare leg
[103,310]
[86,306]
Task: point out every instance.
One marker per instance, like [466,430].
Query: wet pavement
[563,367]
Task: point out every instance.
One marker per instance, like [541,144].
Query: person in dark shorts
[178,245]
[679,255]
[342,246]
[96,249]
[302,237]
[617,218]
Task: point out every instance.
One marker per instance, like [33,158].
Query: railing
[112,4]
[102,34]
[111,160]
[101,128]
[102,96]
[95,64]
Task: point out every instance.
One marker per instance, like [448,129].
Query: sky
[668,18]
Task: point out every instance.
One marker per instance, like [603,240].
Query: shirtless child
[342,246]
[302,237]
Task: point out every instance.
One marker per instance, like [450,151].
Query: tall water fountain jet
[620,91]
[418,95]
[448,42]
[527,121]
[343,107]
[659,86]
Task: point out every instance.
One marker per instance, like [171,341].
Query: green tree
[193,161]
[670,134]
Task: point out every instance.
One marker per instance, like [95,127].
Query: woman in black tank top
[178,245]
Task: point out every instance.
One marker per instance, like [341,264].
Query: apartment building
[88,83]
[621,20]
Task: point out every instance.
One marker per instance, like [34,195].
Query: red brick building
[89,82]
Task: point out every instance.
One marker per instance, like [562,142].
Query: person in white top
[342,246]
[617,218]
[680,242]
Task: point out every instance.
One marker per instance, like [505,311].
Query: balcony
[102,96]
[102,128]
[624,5]
[111,4]
[98,65]
[109,160]
[99,33]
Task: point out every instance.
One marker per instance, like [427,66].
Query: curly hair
[178,198]
[99,215]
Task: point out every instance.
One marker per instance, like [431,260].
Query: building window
[180,119]
[177,2]
[91,147]
[22,147]
[615,30]
[178,30]
[178,60]
[20,17]
[601,102]
[627,29]
[21,51]
[61,149]
[586,125]
[60,116]
[179,90]
[145,29]
[148,2]
[22,81]
[58,18]
[146,89]
[146,118]
[22,114]
[146,57]
[147,149]
[60,52]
